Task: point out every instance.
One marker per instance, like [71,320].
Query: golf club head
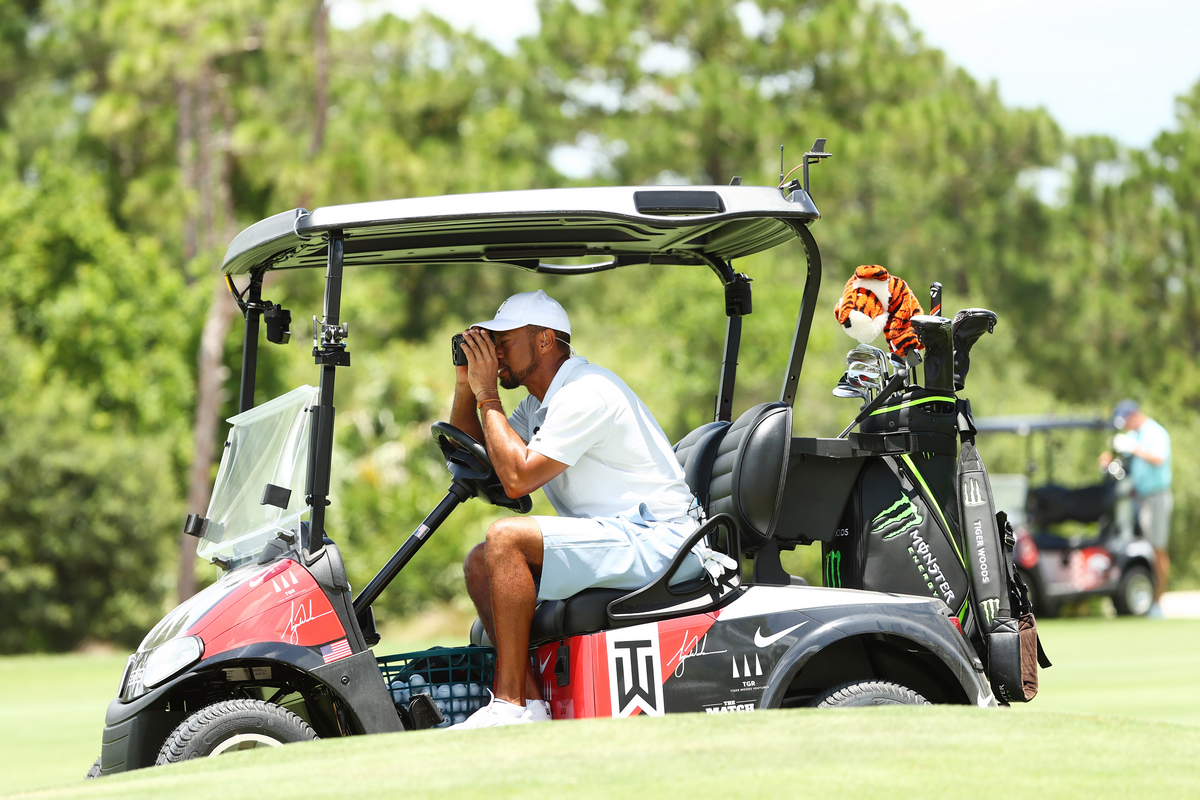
[846,389]
[866,353]
[865,376]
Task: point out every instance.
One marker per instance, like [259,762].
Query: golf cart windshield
[266,445]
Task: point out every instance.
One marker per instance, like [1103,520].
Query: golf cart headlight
[169,658]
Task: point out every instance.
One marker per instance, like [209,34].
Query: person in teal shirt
[1146,447]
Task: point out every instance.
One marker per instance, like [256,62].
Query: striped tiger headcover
[875,302]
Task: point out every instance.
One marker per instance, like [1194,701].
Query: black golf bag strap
[966,423]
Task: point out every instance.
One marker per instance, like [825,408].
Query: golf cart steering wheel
[468,462]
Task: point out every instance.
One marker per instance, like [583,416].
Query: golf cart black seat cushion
[696,453]
[1049,504]
[585,612]
[749,472]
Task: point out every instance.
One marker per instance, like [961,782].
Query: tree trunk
[211,375]
[212,173]
[321,70]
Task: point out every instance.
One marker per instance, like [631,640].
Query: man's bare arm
[464,415]
[521,470]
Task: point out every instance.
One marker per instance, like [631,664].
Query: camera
[456,343]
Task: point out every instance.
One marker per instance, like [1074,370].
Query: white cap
[528,308]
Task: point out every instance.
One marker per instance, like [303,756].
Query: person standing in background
[1146,447]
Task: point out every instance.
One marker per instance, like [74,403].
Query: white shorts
[1154,517]
[612,553]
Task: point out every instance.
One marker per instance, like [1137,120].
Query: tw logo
[635,671]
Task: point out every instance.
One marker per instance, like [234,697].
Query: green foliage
[134,135]
[91,433]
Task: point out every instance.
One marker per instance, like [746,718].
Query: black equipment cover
[1001,601]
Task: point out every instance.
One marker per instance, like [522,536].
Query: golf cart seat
[1049,504]
[740,468]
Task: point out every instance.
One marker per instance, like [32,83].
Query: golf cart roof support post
[252,311]
[808,305]
[737,305]
[321,447]
[733,340]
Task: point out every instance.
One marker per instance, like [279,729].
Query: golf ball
[416,680]
[419,689]
[460,718]
[442,692]
[474,690]
[399,684]
[458,690]
[441,704]
[458,706]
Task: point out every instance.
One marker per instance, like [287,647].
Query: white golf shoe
[497,712]
[538,711]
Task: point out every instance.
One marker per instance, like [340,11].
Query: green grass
[1101,727]
[945,752]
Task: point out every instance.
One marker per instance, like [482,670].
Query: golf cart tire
[1137,579]
[210,730]
[869,693]
[94,772]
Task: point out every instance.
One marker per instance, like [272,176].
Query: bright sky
[1098,66]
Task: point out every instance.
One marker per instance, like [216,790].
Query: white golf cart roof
[610,226]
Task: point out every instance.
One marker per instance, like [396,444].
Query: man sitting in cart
[602,460]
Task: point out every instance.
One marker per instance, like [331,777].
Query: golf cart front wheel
[868,693]
[233,725]
[1135,592]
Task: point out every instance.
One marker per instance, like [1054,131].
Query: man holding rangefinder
[586,440]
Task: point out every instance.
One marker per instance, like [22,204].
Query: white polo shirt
[616,454]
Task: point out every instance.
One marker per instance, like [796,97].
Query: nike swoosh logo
[542,668]
[767,641]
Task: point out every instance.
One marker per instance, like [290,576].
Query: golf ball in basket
[419,689]
[458,690]
[442,692]
[416,680]
[458,706]
[460,718]
[474,690]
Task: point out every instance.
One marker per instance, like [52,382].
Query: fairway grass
[1134,675]
[940,752]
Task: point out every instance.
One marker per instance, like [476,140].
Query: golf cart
[1073,543]
[278,648]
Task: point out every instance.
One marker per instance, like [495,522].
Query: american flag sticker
[335,650]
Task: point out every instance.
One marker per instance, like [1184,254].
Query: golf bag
[903,531]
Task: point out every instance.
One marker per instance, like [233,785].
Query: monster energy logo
[972,494]
[898,519]
[927,564]
[833,569]
[989,608]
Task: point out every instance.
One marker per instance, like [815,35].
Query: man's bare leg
[1162,569]
[479,587]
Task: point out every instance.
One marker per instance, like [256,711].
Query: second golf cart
[278,649]
[1073,542]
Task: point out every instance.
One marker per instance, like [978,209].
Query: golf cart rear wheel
[233,725]
[868,693]
[1135,592]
